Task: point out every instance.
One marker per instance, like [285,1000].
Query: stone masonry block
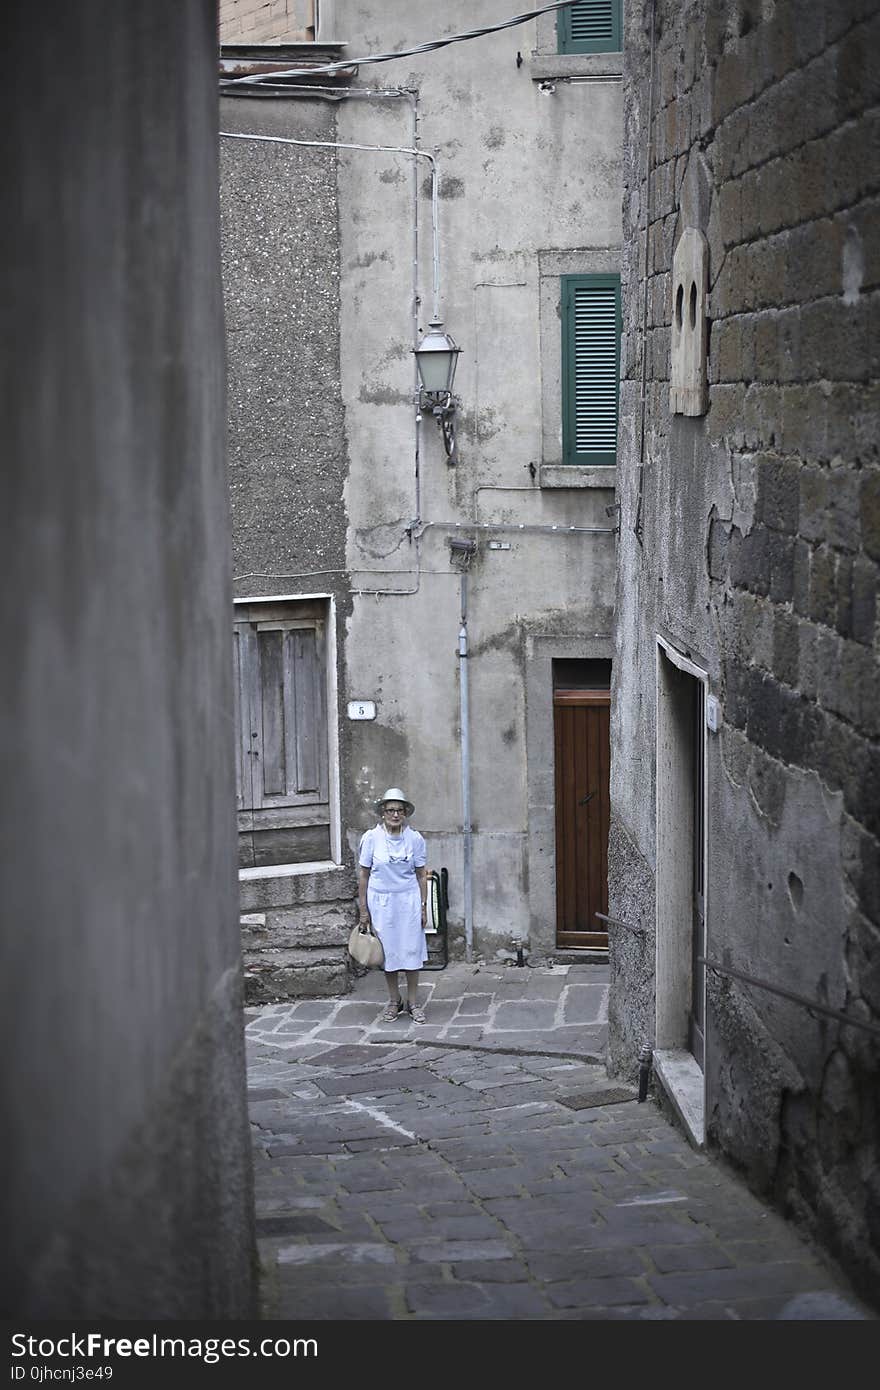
[863,610]
[851,175]
[781,553]
[778,492]
[780,721]
[762,418]
[730,199]
[779,49]
[313,926]
[789,345]
[812,260]
[858,76]
[869,512]
[865,222]
[870,790]
[818,93]
[805,420]
[725,358]
[809,660]
[858,687]
[727,403]
[810,31]
[844,525]
[843,579]
[786,647]
[736,693]
[765,137]
[765,366]
[734,85]
[802,565]
[823,587]
[828,647]
[259,895]
[810,170]
[750,562]
[812,516]
[788,105]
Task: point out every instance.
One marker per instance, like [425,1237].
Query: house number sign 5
[362,709]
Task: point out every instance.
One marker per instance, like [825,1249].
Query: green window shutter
[590,368]
[590,26]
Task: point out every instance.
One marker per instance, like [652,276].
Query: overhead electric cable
[257,79]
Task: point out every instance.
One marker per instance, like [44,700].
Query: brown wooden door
[581,721]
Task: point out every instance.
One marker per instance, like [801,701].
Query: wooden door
[581,720]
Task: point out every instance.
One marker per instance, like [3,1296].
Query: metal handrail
[809,1004]
[616,922]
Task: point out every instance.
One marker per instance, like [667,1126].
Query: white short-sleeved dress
[393,895]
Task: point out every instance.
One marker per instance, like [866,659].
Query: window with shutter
[590,368]
[590,26]
[282,750]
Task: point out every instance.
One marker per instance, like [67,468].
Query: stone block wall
[764,136]
[294,935]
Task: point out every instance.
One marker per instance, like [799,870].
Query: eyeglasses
[394,811]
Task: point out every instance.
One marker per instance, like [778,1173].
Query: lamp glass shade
[437,355]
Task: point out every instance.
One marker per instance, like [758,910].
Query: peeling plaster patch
[449,187]
[496,254]
[392,176]
[368,259]
[382,395]
[495,137]
[853,267]
[380,541]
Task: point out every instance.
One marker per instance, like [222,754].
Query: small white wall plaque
[362,709]
[713,713]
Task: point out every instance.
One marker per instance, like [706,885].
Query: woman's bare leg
[412,987]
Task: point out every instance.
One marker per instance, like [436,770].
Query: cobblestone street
[483,1166]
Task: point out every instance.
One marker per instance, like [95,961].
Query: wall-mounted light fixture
[437,357]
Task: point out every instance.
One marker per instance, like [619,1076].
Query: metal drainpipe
[465,772]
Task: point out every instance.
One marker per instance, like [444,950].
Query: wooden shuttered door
[590,26]
[282,755]
[591,368]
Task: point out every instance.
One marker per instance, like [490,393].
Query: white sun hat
[394,794]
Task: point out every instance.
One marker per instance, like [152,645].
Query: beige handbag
[365,947]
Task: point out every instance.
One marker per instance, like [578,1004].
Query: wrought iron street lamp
[437,357]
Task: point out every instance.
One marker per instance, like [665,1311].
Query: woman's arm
[422,876]
[363,880]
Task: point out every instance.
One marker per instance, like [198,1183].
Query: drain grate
[614,1095]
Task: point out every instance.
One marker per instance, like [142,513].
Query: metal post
[465,770]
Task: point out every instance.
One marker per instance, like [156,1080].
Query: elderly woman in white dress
[393,896]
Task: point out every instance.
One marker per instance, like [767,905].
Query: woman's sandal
[416,1013]
[391,1012]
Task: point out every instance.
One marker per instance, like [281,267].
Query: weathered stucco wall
[127,1191]
[759,561]
[523,174]
[528,190]
[287,462]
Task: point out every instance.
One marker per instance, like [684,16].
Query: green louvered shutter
[591,26]
[590,368]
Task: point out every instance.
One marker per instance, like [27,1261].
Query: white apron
[393,895]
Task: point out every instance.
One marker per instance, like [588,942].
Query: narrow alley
[483,1166]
